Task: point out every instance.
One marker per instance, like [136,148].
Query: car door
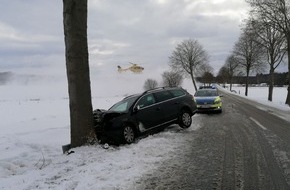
[176,102]
[147,113]
[167,104]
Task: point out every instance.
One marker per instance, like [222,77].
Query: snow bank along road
[245,147]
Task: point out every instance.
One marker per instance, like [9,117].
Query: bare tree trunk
[79,90]
[288,49]
[231,82]
[271,84]
[193,81]
[247,82]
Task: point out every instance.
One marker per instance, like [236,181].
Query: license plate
[205,106]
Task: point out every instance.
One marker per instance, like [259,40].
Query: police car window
[146,101]
[177,92]
[163,95]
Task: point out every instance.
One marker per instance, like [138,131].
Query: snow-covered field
[35,124]
[260,94]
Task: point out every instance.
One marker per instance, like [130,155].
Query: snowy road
[245,147]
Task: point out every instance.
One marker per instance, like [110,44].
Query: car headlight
[217,100]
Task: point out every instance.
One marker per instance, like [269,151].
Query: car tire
[128,134]
[185,119]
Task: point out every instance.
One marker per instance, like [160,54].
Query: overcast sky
[119,31]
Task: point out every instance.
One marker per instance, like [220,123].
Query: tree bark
[193,81]
[231,82]
[77,66]
[247,82]
[271,84]
[288,50]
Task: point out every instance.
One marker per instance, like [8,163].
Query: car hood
[205,100]
[100,115]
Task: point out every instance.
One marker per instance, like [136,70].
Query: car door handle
[158,109]
[177,103]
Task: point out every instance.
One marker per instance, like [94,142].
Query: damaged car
[140,113]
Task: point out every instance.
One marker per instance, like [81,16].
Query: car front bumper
[209,107]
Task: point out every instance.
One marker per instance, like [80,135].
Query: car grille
[97,117]
[204,102]
[98,120]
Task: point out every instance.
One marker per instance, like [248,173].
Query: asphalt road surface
[245,147]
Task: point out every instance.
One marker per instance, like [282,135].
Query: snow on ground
[260,94]
[35,124]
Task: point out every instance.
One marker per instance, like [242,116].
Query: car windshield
[204,93]
[124,105]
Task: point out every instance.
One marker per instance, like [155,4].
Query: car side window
[121,107]
[145,101]
[177,92]
[163,95]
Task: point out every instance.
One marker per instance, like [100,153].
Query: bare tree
[188,58]
[76,51]
[273,42]
[248,54]
[171,78]
[205,68]
[276,13]
[206,73]
[231,65]
[150,84]
[223,75]
[207,78]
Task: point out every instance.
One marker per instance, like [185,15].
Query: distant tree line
[280,79]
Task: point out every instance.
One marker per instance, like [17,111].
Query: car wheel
[185,119]
[128,134]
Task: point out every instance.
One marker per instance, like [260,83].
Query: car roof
[152,91]
[162,88]
[133,95]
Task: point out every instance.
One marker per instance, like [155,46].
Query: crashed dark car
[140,113]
